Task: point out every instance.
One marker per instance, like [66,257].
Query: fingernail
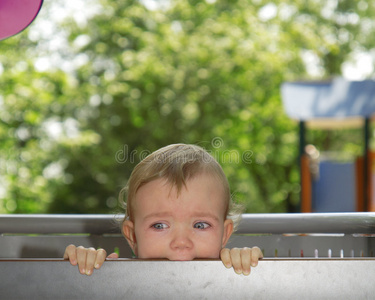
[83,271]
[254,264]
[88,272]
[97,266]
[246,272]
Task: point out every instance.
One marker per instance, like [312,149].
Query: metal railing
[134,279]
[250,223]
[278,235]
[340,246]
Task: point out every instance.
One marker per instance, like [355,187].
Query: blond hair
[177,164]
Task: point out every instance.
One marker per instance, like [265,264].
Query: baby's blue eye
[201,225]
[160,226]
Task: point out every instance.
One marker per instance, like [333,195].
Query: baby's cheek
[210,248]
[150,249]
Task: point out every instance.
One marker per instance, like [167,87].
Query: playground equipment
[333,104]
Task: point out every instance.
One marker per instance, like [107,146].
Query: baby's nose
[181,240]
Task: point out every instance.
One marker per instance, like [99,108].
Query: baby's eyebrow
[158,215]
[206,215]
[199,215]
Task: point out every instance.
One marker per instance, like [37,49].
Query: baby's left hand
[241,259]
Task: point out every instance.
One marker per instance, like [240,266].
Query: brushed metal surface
[134,279]
[251,223]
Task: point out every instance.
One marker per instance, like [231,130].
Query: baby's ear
[228,230]
[128,230]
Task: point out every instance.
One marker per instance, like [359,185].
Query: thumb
[113,255]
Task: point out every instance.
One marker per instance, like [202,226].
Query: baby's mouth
[181,257]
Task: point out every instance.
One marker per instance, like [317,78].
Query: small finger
[90,260]
[70,253]
[225,257]
[113,256]
[235,255]
[81,259]
[246,260]
[256,254]
[101,254]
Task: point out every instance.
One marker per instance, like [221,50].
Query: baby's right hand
[86,258]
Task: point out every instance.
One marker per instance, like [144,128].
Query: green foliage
[193,72]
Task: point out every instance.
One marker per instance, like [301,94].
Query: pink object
[16,15]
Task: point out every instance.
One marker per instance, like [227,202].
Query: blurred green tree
[131,79]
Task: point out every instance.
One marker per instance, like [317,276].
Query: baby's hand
[241,258]
[86,258]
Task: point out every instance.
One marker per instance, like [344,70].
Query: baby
[179,208]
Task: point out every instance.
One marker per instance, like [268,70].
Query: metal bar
[366,164]
[302,137]
[348,223]
[54,223]
[135,279]
[301,151]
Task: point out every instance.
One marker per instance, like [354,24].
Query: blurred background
[91,87]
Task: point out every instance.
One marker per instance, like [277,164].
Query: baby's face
[191,225]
